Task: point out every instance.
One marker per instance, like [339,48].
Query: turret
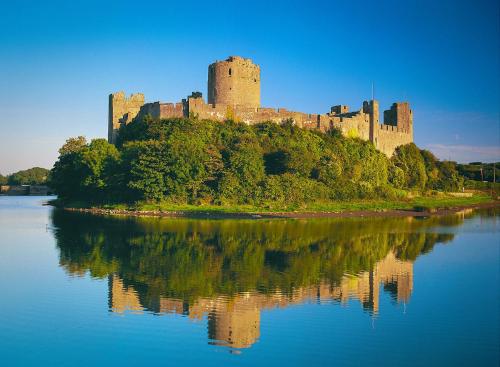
[371,108]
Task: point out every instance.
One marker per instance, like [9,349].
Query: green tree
[3,179]
[66,175]
[145,165]
[396,177]
[442,175]
[244,161]
[431,169]
[82,170]
[31,176]
[73,145]
[410,160]
[449,178]
[96,160]
[329,169]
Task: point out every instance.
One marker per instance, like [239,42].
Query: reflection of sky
[451,319]
[61,59]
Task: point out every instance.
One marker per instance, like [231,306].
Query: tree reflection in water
[229,270]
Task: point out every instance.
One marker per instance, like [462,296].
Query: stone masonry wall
[399,115]
[355,125]
[122,110]
[161,110]
[390,137]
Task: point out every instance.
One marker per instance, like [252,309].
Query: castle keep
[234,93]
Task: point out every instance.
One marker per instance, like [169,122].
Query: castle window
[229,71]
[255,80]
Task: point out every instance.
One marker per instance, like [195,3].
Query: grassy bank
[421,203]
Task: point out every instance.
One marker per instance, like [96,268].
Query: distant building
[234,93]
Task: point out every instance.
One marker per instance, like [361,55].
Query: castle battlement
[393,128]
[234,94]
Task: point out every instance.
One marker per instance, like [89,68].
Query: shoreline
[201,214]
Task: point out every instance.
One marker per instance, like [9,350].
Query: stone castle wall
[122,110]
[234,94]
[354,125]
[388,138]
[162,110]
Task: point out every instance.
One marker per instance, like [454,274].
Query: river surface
[82,290]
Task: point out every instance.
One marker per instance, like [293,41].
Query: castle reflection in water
[235,321]
[229,271]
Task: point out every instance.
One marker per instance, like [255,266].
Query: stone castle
[234,93]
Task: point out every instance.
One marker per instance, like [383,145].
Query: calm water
[78,290]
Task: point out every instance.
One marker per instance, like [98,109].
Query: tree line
[191,161]
[479,171]
[31,176]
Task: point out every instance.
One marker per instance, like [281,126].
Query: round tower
[235,81]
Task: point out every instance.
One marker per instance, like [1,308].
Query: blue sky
[59,60]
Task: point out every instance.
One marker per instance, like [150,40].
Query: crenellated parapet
[339,109]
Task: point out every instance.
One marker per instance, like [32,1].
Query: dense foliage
[31,176]
[85,170]
[198,161]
